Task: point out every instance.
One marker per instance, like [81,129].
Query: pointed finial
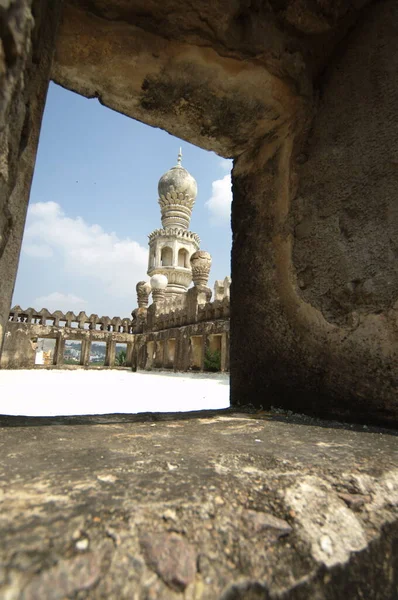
[179,159]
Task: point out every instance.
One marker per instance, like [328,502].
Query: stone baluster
[143,289]
[82,319]
[116,324]
[69,318]
[105,323]
[44,316]
[93,319]
[126,324]
[15,312]
[29,314]
[58,316]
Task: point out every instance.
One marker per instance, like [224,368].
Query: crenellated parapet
[69,319]
[44,339]
[172,333]
[179,317]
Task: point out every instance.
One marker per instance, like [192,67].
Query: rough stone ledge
[218,504]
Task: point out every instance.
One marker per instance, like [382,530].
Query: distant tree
[71,361]
[212,360]
[121,358]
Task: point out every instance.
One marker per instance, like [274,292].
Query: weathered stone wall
[317,249]
[182,348]
[165,71]
[19,350]
[345,209]
[28,30]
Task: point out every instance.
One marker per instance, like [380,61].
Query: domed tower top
[177,193]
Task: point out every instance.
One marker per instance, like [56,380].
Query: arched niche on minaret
[166,256]
[183,258]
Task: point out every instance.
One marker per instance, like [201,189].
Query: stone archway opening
[63,237]
[244,88]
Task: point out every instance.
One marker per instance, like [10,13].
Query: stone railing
[172,304]
[65,340]
[178,304]
[179,317]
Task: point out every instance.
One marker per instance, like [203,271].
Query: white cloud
[219,204]
[225,164]
[38,250]
[59,301]
[84,250]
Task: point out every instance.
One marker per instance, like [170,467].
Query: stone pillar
[204,346]
[315,280]
[175,253]
[224,350]
[182,357]
[157,256]
[129,354]
[85,355]
[227,343]
[196,296]
[110,352]
[23,89]
[59,350]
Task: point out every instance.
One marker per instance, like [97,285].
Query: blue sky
[94,201]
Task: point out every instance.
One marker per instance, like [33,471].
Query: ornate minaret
[171,247]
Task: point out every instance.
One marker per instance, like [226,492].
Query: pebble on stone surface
[355,501]
[82,544]
[171,557]
[261,522]
[107,477]
[326,545]
[65,579]
[169,515]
